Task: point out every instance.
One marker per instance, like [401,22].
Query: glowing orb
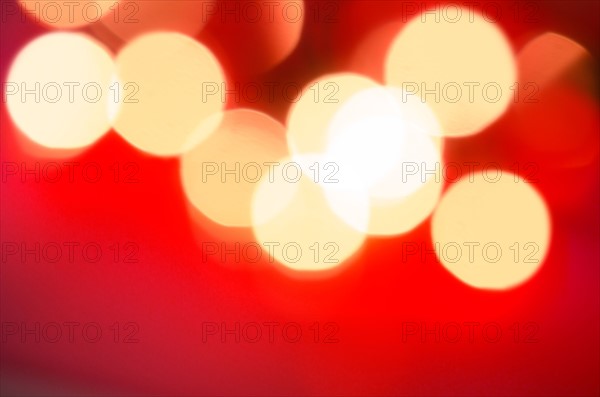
[309,118]
[59,90]
[167,79]
[462,69]
[220,174]
[386,148]
[493,232]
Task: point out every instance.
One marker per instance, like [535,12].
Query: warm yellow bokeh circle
[167,79]
[491,231]
[463,69]
[221,173]
[59,90]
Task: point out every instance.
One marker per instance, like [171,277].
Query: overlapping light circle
[309,117]
[165,78]
[368,155]
[386,145]
[375,134]
[220,174]
[392,217]
[292,216]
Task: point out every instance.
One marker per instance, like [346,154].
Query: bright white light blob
[59,91]
[491,233]
[385,145]
[377,134]
[309,118]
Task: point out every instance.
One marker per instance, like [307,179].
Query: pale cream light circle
[220,174]
[295,220]
[506,223]
[462,68]
[59,92]
[309,118]
[67,14]
[171,78]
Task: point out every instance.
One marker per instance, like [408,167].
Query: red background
[170,292]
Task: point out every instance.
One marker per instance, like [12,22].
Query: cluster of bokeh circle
[330,176]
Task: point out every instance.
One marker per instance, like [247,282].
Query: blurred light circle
[545,58]
[255,35]
[386,147]
[167,81]
[59,90]
[491,232]
[390,217]
[67,14]
[135,17]
[558,130]
[220,174]
[463,69]
[292,217]
[368,57]
[309,118]
[376,133]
